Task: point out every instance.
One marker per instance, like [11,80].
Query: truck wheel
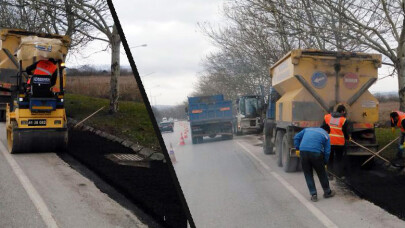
[279,142]
[289,163]
[2,115]
[268,146]
[212,136]
[299,165]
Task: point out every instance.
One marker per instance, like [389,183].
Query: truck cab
[249,116]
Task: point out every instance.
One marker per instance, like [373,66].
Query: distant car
[166,126]
[164,119]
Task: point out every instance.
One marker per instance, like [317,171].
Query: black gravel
[379,185]
[151,189]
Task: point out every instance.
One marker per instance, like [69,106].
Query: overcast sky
[175,45]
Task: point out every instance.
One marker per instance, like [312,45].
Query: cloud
[175,46]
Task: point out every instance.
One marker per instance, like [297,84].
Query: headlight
[20,99]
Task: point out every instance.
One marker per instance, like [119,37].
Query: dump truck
[249,114]
[306,85]
[209,116]
[8,66]
[35,113]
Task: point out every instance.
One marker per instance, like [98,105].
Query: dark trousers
[311,161]
[335,162]
[401,141]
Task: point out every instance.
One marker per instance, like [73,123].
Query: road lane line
[314,210]
[254,156]
[29,188]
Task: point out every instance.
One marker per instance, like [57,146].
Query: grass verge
[385,136]
[131,122]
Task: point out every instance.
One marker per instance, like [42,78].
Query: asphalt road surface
[233,184]
[41,190]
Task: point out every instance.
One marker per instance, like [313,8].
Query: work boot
[314,198]
[329,195]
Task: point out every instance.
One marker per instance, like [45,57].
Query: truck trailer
[306,85]
[209,116]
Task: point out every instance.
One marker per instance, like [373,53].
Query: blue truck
[210,116]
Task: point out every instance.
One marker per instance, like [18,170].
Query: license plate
[39,122]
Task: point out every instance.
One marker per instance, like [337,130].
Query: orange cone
[171,154]
[182,143]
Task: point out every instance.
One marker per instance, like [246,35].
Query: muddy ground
[151,189]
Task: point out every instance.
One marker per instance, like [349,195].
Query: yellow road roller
[35,116]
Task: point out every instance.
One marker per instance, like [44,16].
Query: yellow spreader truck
[306,85]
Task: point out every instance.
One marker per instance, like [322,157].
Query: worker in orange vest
[43,68]
[398,120]
[338,135]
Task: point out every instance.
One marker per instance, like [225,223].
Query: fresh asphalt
[232,183]
[41,190]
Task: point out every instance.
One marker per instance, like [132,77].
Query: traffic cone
[182,143]
[171,154]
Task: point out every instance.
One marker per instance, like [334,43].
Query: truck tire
[299,165]
[279,142]
[212,136]
[268,146]
[289,163]
[2,115]
[226,137]
[200,140]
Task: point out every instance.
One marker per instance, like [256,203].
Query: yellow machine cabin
[35,114]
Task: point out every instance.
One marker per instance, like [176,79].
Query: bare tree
[83,20]
[260,32]
[53,16]
[376,25]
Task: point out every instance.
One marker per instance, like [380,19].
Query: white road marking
[314,210]
[29,188]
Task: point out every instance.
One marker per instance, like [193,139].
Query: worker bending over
[398,119]
[338,136]
[313,146]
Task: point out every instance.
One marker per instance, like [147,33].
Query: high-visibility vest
[45,67]
[336,133]
[401,116]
